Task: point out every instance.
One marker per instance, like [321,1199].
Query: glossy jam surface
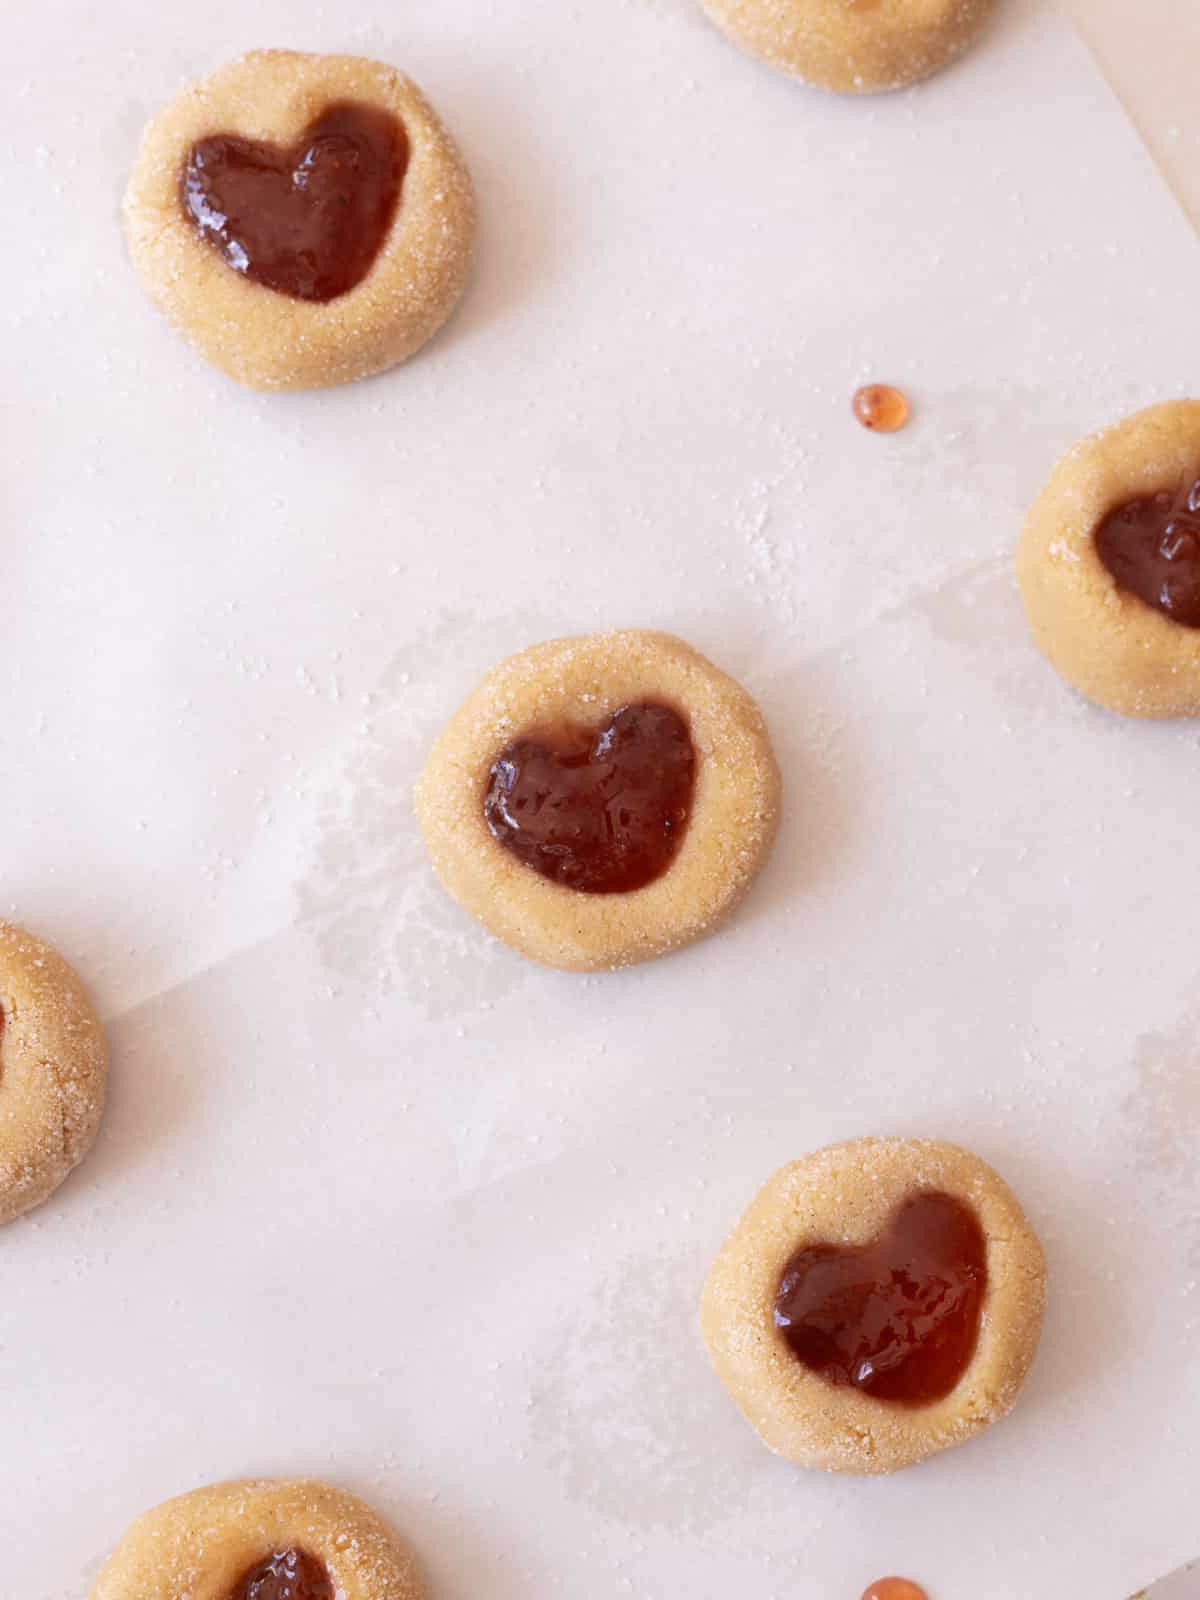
[898,1318]
[602,812]
[1151,547]
[894,1589]
[880,407]
[287,1575]
[307,222]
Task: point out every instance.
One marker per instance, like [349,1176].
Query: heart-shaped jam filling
[287,1575]
[1152,548]
[897,1318]
[309,221]
[602,812]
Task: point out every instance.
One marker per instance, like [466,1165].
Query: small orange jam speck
[880,407]
[894,1589]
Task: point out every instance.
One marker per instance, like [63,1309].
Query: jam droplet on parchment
[894,1589]
[880,407]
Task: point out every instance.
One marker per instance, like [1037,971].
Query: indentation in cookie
[308,221]
[897,1318]
[1151,546]
[601,812]
[286,1575]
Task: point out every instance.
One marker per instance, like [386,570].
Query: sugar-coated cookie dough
[850,1197]
[53,1071]
[257,333]
[261,1539]
[853,46]
[1112,645]
[680,869]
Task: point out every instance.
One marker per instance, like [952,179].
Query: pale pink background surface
[376,1200]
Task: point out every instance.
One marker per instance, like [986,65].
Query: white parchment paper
[375,1199]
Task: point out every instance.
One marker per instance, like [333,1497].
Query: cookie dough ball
[53,1071]
[853,46]
[881,1300]
[1109,564]
[601,800]
[261,1539]
[304,220]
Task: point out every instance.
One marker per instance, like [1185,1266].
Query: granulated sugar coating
[53,1071]
[203,1544]
[853,46]
[270,340]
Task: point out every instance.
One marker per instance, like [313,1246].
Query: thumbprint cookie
[53,1071]
[261,1539]
[602,800]
[304,220]
[853,46]
[1109,564]
[880,1301]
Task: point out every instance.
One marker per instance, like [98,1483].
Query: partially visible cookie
[53,1071]
[261,1539]
[853,46]
[1109,564]
[304,220]
[601,800]
[881,1300]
